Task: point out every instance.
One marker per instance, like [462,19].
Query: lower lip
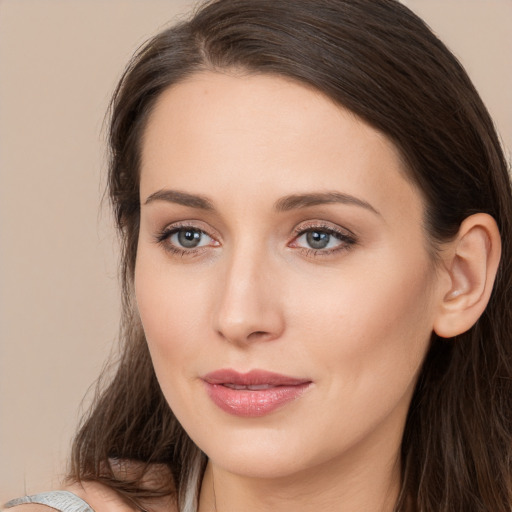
[253,403]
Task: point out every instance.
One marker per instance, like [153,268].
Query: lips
[252,394]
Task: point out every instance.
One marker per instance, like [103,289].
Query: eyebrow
[298,201]
[174,196]
[292,202]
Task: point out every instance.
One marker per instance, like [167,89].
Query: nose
[249,307]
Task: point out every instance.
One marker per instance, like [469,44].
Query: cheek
[372,330]
[172,310]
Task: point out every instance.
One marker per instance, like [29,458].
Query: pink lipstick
[252,394]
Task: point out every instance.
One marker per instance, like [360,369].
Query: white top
[64,501]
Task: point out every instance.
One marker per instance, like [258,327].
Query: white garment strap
[64,501]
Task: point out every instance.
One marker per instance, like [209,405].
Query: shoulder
[100,498]
[104,499]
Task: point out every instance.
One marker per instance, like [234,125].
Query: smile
[252,394]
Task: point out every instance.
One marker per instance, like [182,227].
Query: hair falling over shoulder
[379,60]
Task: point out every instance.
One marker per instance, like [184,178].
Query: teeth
[249,388]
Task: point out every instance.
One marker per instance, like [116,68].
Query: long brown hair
[378,59]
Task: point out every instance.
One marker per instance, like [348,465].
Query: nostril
[259,334]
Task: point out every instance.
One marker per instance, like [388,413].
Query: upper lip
[252,378]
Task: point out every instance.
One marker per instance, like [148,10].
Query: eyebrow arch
[305,200]
[174,196]
[287,203]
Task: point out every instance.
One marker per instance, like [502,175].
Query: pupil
[189,238]
[317,239]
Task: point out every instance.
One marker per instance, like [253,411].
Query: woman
[316,214]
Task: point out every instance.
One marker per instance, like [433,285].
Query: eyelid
[163,235]
[311,225]
[346,237]
[192,224]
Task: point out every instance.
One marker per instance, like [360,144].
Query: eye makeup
[313,238]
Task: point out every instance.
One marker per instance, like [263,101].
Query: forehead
[261,134]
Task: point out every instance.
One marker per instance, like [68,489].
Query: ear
[470,263]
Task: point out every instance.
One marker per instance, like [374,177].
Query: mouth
[252,394]
[249,388]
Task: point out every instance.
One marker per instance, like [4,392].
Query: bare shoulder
[104,499]
[101,499]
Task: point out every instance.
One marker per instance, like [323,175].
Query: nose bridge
[248,308]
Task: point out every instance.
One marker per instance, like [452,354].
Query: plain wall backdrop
[59,307]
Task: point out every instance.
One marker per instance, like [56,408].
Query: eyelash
[347,239]
[163,238]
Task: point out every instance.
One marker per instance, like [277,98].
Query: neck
[336,486]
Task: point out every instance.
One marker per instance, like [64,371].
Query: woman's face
[280,234]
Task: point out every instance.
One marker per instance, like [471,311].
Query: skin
[354,318]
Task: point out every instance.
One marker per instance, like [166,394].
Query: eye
[189,238]
[319,239]
[185,240]
[322,239]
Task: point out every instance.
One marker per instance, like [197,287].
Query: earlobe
[471,265]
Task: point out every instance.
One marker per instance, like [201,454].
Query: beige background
[59,61]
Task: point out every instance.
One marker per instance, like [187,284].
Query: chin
[267,454]
[259,464]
